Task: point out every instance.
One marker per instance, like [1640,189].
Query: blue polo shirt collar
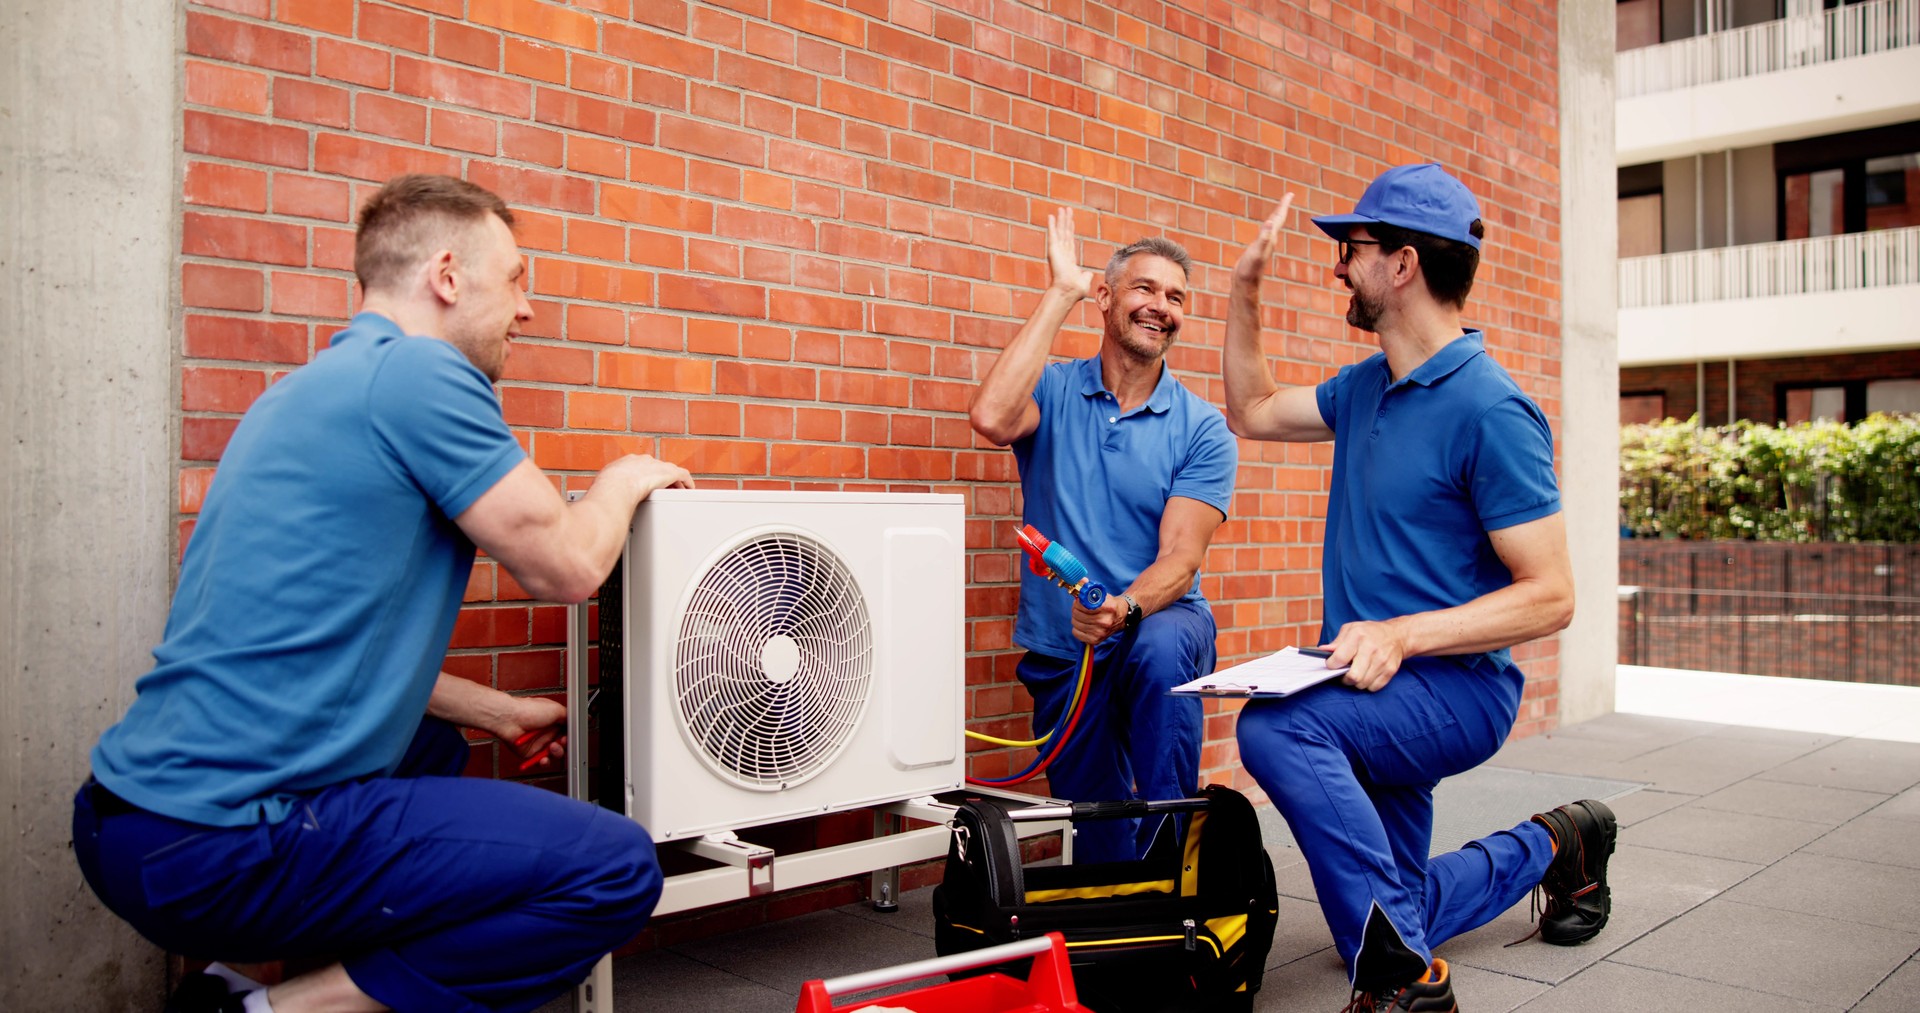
[1443,362]
[1092,385]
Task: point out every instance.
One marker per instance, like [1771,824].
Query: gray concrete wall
[1589,366]
[1755,196]
[89,119]
[1677,203]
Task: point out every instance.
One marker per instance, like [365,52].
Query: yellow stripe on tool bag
[1228,930]
[1190,862]
[1097,892]
[1096,943]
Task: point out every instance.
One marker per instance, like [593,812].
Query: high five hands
[1252,265]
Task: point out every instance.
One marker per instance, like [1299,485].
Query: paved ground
[1770,860]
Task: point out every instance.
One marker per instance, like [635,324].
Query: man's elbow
[569,583]
[993,430]
[1559,609]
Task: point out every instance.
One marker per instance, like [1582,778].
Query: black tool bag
[1186,928]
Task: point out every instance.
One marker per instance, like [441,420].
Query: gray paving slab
[786,954]
[1787,800]
[1806,957]
[641,981]
[1302,930]
[1743,837]
[1295,880]
[1645,804]
[1904,806]
[1701,765]
[1317,981]
[1862,764]
[1896,993]
[1492,992]
[1646,730]
[1611,986]
[1650,888]
[1568,754]
[1871,839]
[1838,888]
[1781,736]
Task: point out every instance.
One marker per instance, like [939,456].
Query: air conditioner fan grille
[774,661]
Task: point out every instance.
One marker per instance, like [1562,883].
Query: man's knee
[628,878]
[1172,647]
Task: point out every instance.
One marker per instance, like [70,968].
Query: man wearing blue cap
[1444,547]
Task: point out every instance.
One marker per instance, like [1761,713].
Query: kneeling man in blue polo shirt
[1444,547]
[286,782]
[1132,472]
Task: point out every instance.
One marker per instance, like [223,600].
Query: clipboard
[1282,673]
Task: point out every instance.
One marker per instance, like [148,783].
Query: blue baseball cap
[1423,198]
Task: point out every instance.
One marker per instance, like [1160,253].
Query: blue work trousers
[437,892]
[1353,773]
[1133,740]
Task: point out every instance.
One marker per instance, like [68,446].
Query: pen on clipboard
[1314,652]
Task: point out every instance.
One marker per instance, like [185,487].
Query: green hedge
[1817,481]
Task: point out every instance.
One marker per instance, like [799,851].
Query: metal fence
[1792,267]
[1803,40]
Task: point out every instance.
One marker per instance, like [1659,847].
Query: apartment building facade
[1769,208]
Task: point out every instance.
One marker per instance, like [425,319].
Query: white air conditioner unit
[791,653]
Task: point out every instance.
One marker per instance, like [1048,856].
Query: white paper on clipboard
[1282,673]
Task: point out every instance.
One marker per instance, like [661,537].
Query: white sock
[236,982]
[256,1002]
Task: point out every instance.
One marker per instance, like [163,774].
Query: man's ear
[1102,292]
[443,279]
[1406,265]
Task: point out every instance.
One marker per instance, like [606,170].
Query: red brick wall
[1757,382]
[779,240]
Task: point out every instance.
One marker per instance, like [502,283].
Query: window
[1816,203]
[1894,396]
[1638,408]
[1814,404]
[1640,226]
[1893,191]
[1636,23]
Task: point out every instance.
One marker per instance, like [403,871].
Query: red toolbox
[1048,988]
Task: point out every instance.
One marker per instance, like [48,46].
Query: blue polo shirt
[320,586]
[1097,481]
[1422,470]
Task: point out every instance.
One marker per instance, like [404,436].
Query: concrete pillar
[89,189]
[1590,359]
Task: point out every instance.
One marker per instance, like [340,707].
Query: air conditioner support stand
[883,855]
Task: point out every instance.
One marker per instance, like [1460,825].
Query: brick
[533,406]
[813,460]
[712,141]
[344,155]
[634,371]
[655,209]
[596,324]
[548,363]
[466,44]
[716,457]
[595,116]
[456,86]
[705,295]
[525,58]
[232,88]
[588,410]
[221,38]
[463,132]
[362,65]
[821,20]
[713,418]
[602,77]
[662,53]
[217,389]
[212,286]
[764,381]
[205,439]
[537,20]
[228,238]
[765,227]
[810,310]
[245,140]
[388,117]
[225,186]
[307,295]
[391,26]
[536,187]
[310,197]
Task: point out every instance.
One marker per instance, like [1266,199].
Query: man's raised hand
[1252,265]
[1063,256]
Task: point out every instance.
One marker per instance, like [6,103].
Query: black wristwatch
[1133,612]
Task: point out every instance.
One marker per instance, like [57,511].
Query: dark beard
[1364,312]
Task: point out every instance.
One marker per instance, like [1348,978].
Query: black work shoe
[204,993]
[1432,992]
[1577,898]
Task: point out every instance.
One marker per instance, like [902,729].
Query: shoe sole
[1610,830]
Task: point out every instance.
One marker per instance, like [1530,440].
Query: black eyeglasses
[1347,245]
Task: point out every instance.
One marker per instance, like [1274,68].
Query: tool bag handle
[1078,811]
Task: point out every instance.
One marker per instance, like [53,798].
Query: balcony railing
[1794,267]
[1847,31]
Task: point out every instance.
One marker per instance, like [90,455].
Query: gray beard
[1364,312]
